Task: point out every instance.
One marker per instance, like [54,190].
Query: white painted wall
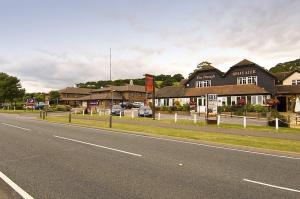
[294,76]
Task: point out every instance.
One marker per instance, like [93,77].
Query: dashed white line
[269,185]
[95,145]
[25,129]
[13,185]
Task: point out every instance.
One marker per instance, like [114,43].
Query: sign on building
[212,105]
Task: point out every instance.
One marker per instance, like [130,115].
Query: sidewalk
[212,129]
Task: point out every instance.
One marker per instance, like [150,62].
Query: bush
[186,107]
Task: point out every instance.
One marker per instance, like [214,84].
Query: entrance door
[201,104]
[281,107]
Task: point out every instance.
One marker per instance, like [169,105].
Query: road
[47,160]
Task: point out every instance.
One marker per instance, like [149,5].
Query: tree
[54,96]
[167,82]
[202,66]
[286,66]
[177,77]
[10,89]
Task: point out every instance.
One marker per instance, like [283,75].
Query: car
[116,110]
[137,104]
[126,105]
[145,111]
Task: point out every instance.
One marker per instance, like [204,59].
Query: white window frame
[204,83]
[247,80]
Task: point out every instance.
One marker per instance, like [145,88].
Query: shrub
[186,107]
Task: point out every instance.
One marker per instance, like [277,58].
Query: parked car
[126,105]
[116,110]
[145,111]
[137,104]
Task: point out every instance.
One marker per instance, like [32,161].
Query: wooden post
[132,114]
[276,124]
[218,120]
[158,116]
[175,117]
[70,117]
[245,121]
[195,118]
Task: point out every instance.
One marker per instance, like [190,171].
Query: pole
[206,101]
[276,124]
[218,120]
[245,122]
[195,118]
[175,117]
[153,99]
[70,117]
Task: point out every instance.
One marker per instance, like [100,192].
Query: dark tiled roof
[102,96]
[170,91]
[288,89]
[72,90]
[226,90]
[244,62]
[183,81]
[173,91]
[128,87]
[283,75]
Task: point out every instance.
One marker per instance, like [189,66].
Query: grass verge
[249,141]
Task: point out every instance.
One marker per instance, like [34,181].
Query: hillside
[160,81]
[286,66]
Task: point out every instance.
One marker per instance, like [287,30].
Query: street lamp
[112,102]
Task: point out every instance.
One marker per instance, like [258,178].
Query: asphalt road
[49,160]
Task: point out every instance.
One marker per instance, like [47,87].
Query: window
[205,83]
[296,82]
[247,80]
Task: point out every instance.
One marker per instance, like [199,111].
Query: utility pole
[110,116]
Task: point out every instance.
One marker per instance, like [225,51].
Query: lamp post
[112,102]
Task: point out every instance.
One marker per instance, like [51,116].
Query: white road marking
[15,126]
[274,186]
[13,185]
[178,141]
[104,147]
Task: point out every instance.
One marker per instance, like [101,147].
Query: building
[71,95]
[101,98]
[245,81]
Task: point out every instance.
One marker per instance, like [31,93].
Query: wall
[294,76]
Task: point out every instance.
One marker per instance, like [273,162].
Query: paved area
[49,160]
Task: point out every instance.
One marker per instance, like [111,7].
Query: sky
[52,44]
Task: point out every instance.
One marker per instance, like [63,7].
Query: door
[281,107]
[201,104]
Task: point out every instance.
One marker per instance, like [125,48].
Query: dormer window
[247,80]
[205,83]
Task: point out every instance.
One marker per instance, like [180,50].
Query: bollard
[158,118]
[245,122]
[83,112]
[276,124]
[99,112]
[195,118]
[91,112]
[120,114]
[132,114]
[218,120]
[175,117]
[14,108]
[43,115]
[70,117]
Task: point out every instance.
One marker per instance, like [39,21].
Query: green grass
[18,111]
[249,141]
[257,129]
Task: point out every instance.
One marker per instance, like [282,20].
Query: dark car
[126,105]
[145,111]
[116,110]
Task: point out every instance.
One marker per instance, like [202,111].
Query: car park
[117,110]
[145,111]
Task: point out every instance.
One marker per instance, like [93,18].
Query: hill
[286,66]
[160,81]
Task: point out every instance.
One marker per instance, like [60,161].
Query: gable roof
[170,91]
[72,90]
[102,96]
[246,62]
[211,68]
[127,87]
[283,75]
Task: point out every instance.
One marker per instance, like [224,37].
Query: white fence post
[175,117]
[158,116]
[91,112]
[245,122]
[99,112]
[195,118]
[83,112]
[132,114]
[276,124]
[14,108]
[120,114]
[218,120]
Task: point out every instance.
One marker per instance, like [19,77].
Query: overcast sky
[51,44]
